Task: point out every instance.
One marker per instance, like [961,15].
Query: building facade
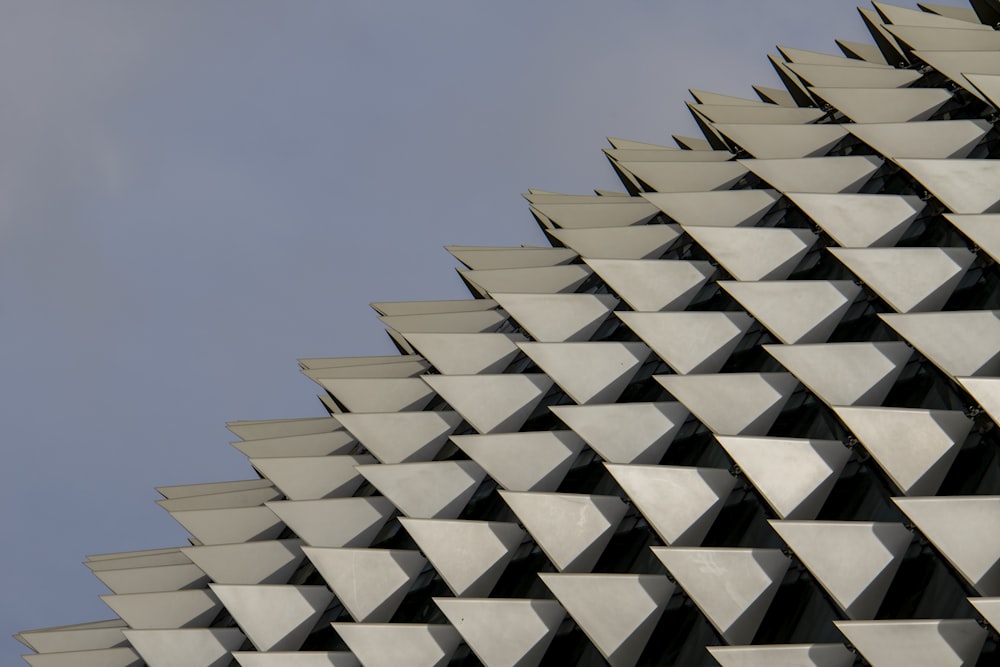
[740,413]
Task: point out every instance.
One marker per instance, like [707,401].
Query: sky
[195,194]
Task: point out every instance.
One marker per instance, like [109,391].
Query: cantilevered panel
[770,142]
[226,526]
[804,57]
[296,659]
[335,522]
[268,562]
[597,212]
[732,587]
[645,242]
[961,13]
[860,221]
[73,638]
[732,403]
[834,76]
[800,311]
[775,96]
[795,476]
[467,353]
[909,279]
[199,647]
[426,490]
[985,392]
[988,86]
[153,579]
[470,556]
[480,321]
[914,447]
[558,318]
[885,105]
[211,488]
[954,64]
[727,208]
[653,285]
[309,478]
[820,174]
[920,643]
[395,644]
[964,186]
[379,394]
[625,432]
[961,343]
[690,341]
[402,436]
[134,559]
[796,88]
[571,529]
[527,461]
[982,230]
[316,444]
[845,373]
[275,618]
[370,583]
[278,428]
[925,38]
[855,561]
[107,657]
[617,612]
[477,257]
[762,114]
[248,498]
[905,16]
[783,655]
[393,308]
[988,608]
[686,176]
[505,632]
[892,51]
[962,529]
[706,97]
[861,51]
[544,280]
[755,253]
[492,403]
[665,155]
[410,366]
[592,372]
[195,608]
[939,139]
[680,503]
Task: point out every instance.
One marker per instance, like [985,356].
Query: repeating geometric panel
[741,413]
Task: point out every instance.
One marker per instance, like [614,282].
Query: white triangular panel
[653,285]
[558,317]
[690,342]
[370,583]
[617,612]
[402,436]
[645,242]
[531,461]
[593,372]
[296,659]
[922,643]
[199,647]
[732,403]
[783,655]
[939,139]
[795,476]
[854,561]
[680,503]
[686,176]
[470,556]
[625,432]
[335,522]
[985,392]
[914,447]
[168,610]
[961,343]
[983,230]
[275,618]
[964,186]
[269,562]
[732,587]
[860,221]
[395,644]
[770,142]
[800,311]
[845,373]
[426,490]
[492,403]
[467,353]
[571,529]
[885,105]
[909,279]
[730,208]
[309,478]
[505,632]
[755,253]
[229,525]
[954,64]
[962,529]
[820,174]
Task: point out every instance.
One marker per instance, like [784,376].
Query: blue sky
[195,194]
